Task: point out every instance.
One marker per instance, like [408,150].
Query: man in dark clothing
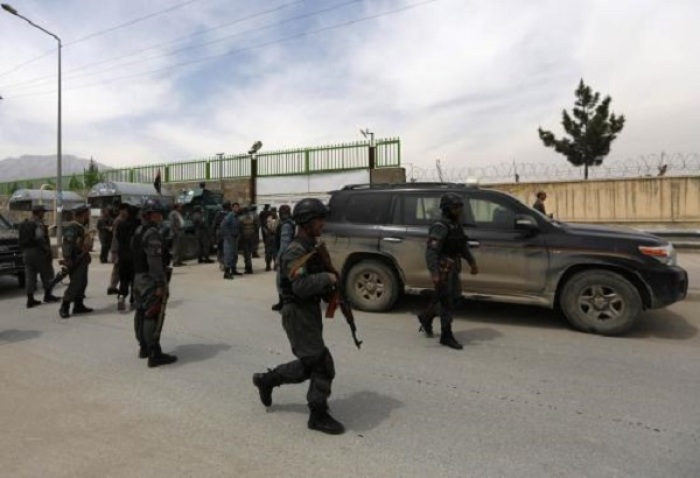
[150,284]
[76,247]
[201,229]
[447,246]
[36,249]
[249,235]
[302,289]
[262,230]
[104,232]
[284,235]
[539,203]
[123,234]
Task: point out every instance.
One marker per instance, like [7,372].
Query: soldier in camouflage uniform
[302,289]
[36,249]
[447,245]
[76,247]
[150,284]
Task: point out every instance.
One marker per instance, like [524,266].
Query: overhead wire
[240,50]
[98,33]
[36,82]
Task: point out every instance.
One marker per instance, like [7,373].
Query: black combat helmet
[308,209]
[450,200]
[79,209]
[151,205]
[285,210]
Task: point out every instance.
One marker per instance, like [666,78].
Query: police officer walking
[302,289]
[201,230]
[36,249]
[230,231]
[76,247]
[284,234]
[447,245]
[150,284]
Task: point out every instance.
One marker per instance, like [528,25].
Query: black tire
[22,279]
[601,302]
[372,286]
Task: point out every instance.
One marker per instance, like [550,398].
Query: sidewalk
[690,261]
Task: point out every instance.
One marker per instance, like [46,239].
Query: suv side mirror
[523,222]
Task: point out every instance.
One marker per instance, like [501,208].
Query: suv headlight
[664,254]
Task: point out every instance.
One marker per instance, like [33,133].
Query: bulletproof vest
[454,243]
[248,228]
[278,232]
[138,249]
[27,234]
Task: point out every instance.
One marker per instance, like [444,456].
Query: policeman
[202,232]
[447,245]
[36,249]
[284,234]
[302,289]
[76,247]
[150,284]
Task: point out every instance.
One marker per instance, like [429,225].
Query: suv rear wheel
[372,286]
[601,302]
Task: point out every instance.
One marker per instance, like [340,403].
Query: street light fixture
[254,171]
[59,174]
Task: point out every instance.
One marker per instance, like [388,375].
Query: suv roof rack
[408,186]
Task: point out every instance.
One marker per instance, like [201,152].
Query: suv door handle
[395,240]
[473,243]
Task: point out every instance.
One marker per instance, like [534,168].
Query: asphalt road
[527,397]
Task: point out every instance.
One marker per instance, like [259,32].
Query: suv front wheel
[371,286]
[601,302]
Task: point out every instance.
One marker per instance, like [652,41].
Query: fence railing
[340,157]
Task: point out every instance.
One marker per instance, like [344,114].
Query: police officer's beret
[39,208]
[80,208]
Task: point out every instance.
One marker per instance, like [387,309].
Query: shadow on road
[476,335]
[197,352]
[490,313]
[664,324]
[14,335]
[359,412]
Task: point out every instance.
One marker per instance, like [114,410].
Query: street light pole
[59,173]
[372,148]
[254,171]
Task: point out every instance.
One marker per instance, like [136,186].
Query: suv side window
[490,213]
[366,208]
[416,210]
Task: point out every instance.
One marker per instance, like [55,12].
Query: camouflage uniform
[76,247]
[36,249]
[150,282]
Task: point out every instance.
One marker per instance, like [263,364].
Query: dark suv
[11,259]
[600,277]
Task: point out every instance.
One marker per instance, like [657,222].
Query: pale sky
[465,81]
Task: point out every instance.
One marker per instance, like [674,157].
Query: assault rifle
[67,268]
[163,302]
[336,298]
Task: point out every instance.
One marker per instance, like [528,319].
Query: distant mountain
[30,167]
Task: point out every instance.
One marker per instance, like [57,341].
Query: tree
[74,184]
[592,130]
[92,175]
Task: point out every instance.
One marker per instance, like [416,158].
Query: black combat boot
[228,274]
[49,297]
[448,339]
[320,420]
[31,301]
[248,270]
[278,306]
[79,308]
[265,383]
[64,311]
[267,266]
[426,325]
[158,358]
[143,351]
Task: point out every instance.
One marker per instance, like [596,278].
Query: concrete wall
[672,202]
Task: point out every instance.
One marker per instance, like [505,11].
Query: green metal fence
[340,157]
